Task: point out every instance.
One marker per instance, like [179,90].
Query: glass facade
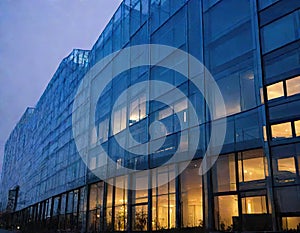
[252,49]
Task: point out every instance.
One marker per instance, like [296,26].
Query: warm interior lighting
[254,205]
[283,130]
[286,165]
[275,91]
[297,128]
[291,223]
[293,86]
[227,209]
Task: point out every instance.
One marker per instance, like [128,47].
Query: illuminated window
[281,131]
[254,205]
[120,203]
[119,120]
[191,196]
[252,166]
[293,86]
[275,91]
[286,165]
[140,201]
[96,196]
[108,215]
[163,201]
[137,109]
[291,223]
[224,174]
[225,212]
[95,206]
[297,128]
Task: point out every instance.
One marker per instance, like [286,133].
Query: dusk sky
[35,36]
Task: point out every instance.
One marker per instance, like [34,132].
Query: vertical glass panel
[164,204]
[275,91]
[297,128]
[282,131]
[96,196]
[103,130]
[191,196]
[291,223]
[137,109]
[119,120]
[120,218]
[226,212]
[108,214]
[70,202]
[252,166]
[293,86]
[140,217]
[224,174]
[121,203]
[121,193]
[254,205]
[140,184]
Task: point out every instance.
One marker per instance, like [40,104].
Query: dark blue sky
[35,35]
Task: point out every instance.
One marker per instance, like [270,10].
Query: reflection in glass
[119,120]
[275,91]
[103,130]
[191,195]
[226,211]
[224,174]
[281,131]
[254,205]
[137,109]
[293,86]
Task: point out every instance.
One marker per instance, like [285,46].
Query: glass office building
[252,49]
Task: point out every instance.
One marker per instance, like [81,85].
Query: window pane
[164,205]
[275,91]
[140,185]
[121,190]
[282,131]
[291,223]
[279,33]
[191,196]
[96,196]
[140,217]
[252,166]
[226,211]
[103,130]
[293,86]
[254,205]
[224,174]
[297,128]
[286,165]
[120,218]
